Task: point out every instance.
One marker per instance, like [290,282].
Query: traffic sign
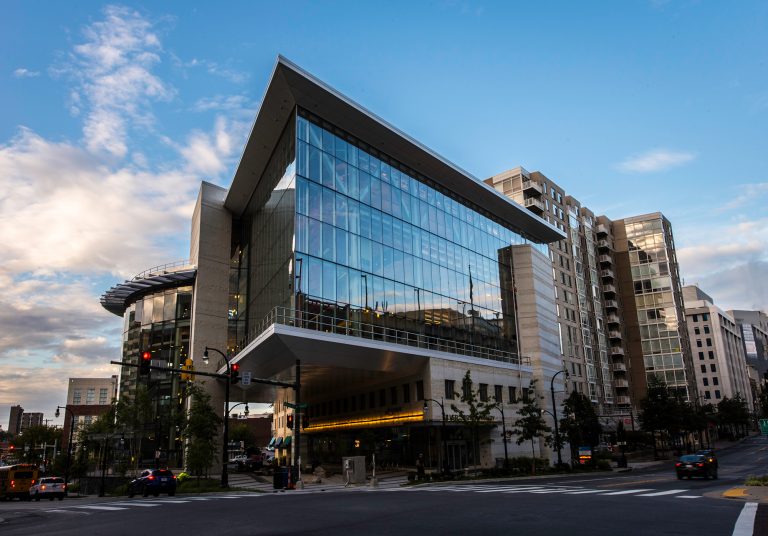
[245,379]
[293,406]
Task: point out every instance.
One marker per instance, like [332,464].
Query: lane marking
[660,493]
[746,521]
[585,491]
[69,512]
[95,507]
[688,497]
[628,491]
[140,504]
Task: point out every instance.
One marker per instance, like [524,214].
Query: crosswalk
[545,489]
[116,506]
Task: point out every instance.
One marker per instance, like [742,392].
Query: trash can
[280,478]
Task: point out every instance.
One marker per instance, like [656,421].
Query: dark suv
[154,481]
[696,465]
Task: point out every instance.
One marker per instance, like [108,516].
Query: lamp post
[500,407]
[225,447]
[554,416]
[443,432]
[69,446]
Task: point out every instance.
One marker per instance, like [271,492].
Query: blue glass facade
[372,241]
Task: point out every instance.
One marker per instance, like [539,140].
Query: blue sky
[113,113]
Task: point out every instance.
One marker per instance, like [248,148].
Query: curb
[735,493]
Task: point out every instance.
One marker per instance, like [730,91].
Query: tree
[580,425]
[733,414]
[35,438]
[200,429]
[530,424]
[131,418]
[478,414]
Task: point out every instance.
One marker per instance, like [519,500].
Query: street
[650,501]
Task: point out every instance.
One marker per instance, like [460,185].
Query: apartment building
[754,336]
[719,366]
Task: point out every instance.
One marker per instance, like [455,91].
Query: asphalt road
[645,502]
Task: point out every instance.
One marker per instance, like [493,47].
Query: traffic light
[144,362]
[234,374]
[187,367]
[289,421]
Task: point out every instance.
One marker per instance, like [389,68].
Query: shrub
[757,481]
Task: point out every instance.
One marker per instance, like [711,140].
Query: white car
[51,487]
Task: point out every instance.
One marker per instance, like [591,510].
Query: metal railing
[163,268]
[344,325]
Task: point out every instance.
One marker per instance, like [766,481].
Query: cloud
[25,73]
[115,85]
[657,160]
[748,194]
[224,103]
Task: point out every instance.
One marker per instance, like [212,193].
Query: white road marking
[660,493]
[746,521]
[69,512]
[585,491]
[136,503]
[688,497]
[96,507]
[628,491]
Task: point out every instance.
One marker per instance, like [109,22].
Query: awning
[279,443]
[287,442]
[272,442]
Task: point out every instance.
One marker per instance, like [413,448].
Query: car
[154,481]
[49,487]
[696,465]
[709,453]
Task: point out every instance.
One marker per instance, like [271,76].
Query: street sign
[245,379]
[764,426]
[293,406]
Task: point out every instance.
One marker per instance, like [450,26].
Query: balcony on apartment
[531,188]
[605,259]
[620,383]
[607,273]
[617,350]
[619,367]
[534,205]
[622,400]
[614,334]
[601,230]
[611,304]
[603,244]
[609,289]
[612,319]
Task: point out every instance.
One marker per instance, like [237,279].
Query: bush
[757,481]
[182,477]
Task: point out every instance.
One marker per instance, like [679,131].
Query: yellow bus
[15,481]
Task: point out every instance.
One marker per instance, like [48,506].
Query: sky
[112,113]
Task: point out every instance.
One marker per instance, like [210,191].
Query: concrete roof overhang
[290,86]
[332,361]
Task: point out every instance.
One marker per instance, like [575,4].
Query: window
[717,394]
[420,390]
[698,343]
[707,394]
[406,393]
[76,396]
[450,393]
[102,397]
[715,381]
[382,398]
[695,318]
[393,395]
[696,330]
[484,392]
[711,354]
[704,369]
[704,317]
[706,381]
[372,400]
[712,367]
[706,329]
[90,395]
[709,342]
[701,356]
[497,389]
[466,389]
[512,394]
[362,402]
[525,394]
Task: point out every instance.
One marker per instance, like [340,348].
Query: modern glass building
[385,270]
[653,302]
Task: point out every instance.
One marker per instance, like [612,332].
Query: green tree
[658,410]
[477,416]
[132,416]
[733,415]
[530,424]
[29,443]
[200,429]
[241,432]
[580,425]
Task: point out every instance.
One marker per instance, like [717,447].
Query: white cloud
[748,194]
[115,83]
[21,72]
[223,102]
[657,160]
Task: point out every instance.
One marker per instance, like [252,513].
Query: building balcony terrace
[532,188]
[534,205]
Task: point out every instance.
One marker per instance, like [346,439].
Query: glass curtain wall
[158,323]
[375,240]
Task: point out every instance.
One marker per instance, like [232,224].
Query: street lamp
[554,416]
[500,407]
[69,446]
[224,456]
[443,432]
